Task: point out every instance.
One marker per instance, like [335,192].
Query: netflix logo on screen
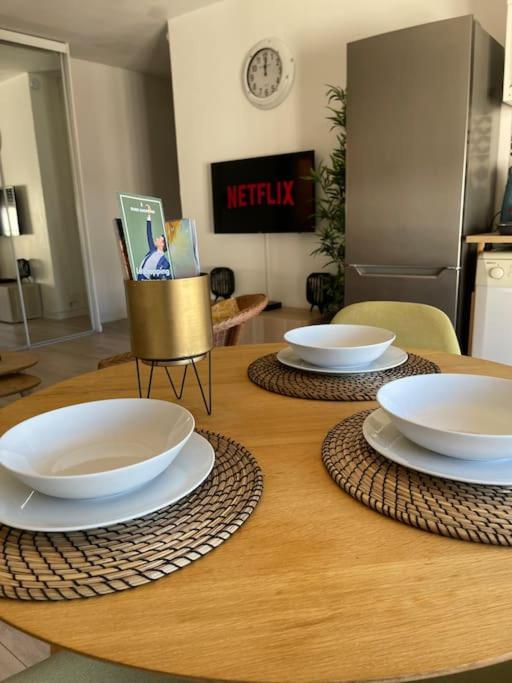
[264,194]
[279,192]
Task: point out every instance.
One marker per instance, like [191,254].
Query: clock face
[264,73]
[267,73]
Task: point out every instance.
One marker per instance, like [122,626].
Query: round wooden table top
[314,587]
[14,361]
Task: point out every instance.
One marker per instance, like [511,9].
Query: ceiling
[125,33]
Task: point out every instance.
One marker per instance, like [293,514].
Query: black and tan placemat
[268,373]
[83,564]
[469,512]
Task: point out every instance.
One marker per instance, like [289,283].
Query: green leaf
[329,176]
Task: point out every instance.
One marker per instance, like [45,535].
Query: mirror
[43,289]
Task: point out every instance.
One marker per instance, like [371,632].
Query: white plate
[44,513]
[463,416]
[380,432]
[334,345]
[97,448]
[391,358]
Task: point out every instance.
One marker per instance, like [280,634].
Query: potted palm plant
[330,206]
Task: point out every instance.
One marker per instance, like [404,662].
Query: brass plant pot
[170,319]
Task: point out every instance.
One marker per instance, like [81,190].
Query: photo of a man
[155,264]
[146,242]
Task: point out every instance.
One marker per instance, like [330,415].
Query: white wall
[215,122]
[126,143]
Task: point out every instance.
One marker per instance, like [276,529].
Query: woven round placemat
[268,373]
[83,564]
[469,512]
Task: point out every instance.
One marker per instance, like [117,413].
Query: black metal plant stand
[186,362]
[317,290]
[222,282]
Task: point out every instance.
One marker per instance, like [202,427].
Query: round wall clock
[268,72]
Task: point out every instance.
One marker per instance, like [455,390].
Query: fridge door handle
[400,271]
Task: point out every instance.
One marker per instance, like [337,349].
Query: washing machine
[492,315]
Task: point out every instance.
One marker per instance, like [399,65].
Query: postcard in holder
[145,237]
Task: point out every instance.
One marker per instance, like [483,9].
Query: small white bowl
[95,449]
[331,346]
[462,416]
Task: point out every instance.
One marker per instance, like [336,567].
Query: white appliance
[492,321]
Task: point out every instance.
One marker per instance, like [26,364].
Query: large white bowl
[96,449]
[340,346]
[463,416]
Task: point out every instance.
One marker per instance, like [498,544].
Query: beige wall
[20,161]
[215,122]
[69,297]
[126,144]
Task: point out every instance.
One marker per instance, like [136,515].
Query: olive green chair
[66,667]
[415,325]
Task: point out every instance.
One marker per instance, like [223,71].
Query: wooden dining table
[314,586]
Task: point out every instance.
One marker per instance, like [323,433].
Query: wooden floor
[12,335]
[19,651]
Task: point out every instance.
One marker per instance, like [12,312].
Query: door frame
[76,168]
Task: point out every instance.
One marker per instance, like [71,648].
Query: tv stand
[273,305]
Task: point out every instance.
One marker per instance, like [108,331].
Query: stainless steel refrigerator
[422,137]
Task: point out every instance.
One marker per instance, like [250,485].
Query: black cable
[492,226]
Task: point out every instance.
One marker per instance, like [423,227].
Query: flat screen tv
[9,215]
[264,194]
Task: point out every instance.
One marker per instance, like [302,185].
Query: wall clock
[268,71]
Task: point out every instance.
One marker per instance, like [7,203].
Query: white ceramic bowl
[339,346]
[463,416]
[96,449]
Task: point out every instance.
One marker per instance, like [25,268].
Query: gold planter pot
[170,319]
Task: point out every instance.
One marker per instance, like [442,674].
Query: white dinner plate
[380,432]
[391,358]
[38,512]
